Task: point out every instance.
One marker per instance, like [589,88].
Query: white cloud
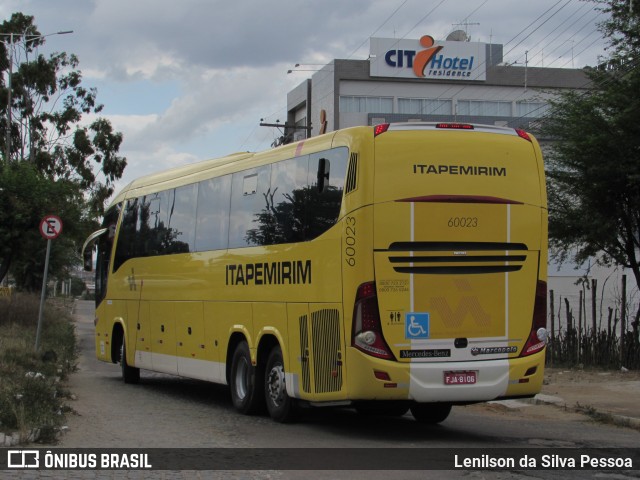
[144,162]
[217,67]
[214,97]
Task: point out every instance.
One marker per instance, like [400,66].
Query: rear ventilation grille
[304,354]
[352,174]
[455,246]
[459,269]
[464,258]
[327,363]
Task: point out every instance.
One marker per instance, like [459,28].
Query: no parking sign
[50,227]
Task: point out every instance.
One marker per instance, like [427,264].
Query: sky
[190,80]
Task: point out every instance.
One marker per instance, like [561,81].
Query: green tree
[594,166]
[78,286]
[52,161]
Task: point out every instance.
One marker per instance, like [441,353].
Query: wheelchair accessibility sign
[416,325]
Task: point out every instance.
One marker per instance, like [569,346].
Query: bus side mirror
[88,259]
[323,173]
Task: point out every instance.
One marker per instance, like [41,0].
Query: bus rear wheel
[129,374]
[246,398]
[280,405]
[431,413]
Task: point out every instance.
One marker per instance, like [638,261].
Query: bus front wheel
[245,396]
[430,412]
[129,374]
[280,405]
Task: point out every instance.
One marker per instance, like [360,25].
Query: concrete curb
[596,414]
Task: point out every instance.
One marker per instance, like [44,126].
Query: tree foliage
[594,166]
[53,159]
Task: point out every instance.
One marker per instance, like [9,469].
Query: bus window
[245,205]
[126,247]
[282,219]
[324,167]
[154,236]
[182,220]
[105,245]
[150,222]
[212,228]
[324,204]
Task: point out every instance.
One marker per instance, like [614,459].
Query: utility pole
[283,140]
[9,119]
[526,64]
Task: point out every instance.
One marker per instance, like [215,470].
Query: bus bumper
[376,379]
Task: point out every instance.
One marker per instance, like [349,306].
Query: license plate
[460,377]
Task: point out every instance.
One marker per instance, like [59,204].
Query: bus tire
[280,405]
[129,374]
[246,398]
[431,413]
[388,408]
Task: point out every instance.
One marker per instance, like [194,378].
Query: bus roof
[179,172]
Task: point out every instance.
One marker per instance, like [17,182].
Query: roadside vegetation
[32,396]
[589,337]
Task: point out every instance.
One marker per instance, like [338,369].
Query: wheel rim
[276,387]
[242,373]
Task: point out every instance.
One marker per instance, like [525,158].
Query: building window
[300,133]
[424,106]
[352,104]
[532,109]
[482,108]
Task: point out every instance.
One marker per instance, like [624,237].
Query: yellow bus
[389,268]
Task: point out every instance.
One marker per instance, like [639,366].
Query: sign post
[50,228]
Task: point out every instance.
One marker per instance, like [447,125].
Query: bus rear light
[378,129]
[367,327]
[539,335]
[523,134]
[382,375]
[455,126]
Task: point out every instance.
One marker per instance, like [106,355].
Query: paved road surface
[166,411]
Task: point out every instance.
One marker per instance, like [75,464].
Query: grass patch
[31,392]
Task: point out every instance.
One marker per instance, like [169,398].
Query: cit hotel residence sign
[427,58]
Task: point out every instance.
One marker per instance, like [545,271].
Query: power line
[550,13]
[357,48]
[568,27]
[632,66]
[463,87]
[377,29]
[516,36]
